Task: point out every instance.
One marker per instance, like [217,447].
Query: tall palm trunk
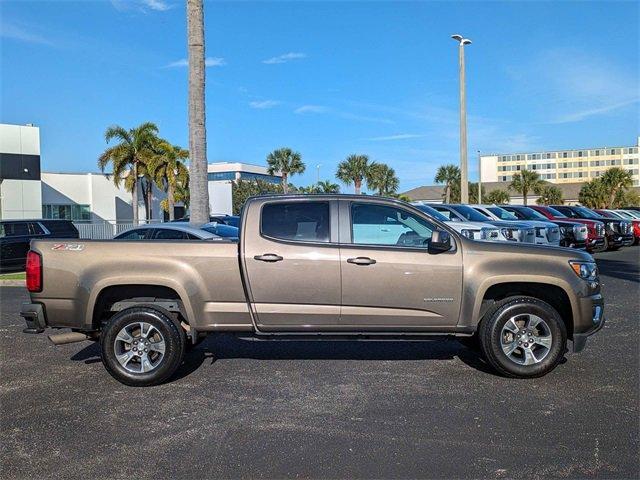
[358,185]
[134,193]
[149,200]
[447,194]
[524,197]
[285,182]
[199,206]
[170,201]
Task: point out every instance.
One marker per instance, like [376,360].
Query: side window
[16,229]
[300,221]
[445,212]
[169,234]
[373,224]
[36,229]
[137,234]
[191,237]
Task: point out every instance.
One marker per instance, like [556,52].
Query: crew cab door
[389,279]
[292,263]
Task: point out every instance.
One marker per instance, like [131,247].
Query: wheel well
[552,294]
[138,293]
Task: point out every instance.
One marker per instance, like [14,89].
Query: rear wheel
[142,346]
[523,337]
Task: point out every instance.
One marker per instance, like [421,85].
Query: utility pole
[479,179]
[318,169]
[464,174]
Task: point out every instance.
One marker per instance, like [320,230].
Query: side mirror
[440,242]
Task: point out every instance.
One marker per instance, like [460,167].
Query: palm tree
[450,176]
[198,185]
[128,156]
[354,169]
[593,194]
[616,180]
[526,181]
[550,195]
[287,162]
[498,197]
[383,179]
[168,170]
[327,186]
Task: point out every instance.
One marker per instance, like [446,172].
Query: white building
[25,192]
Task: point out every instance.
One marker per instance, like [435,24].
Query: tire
[162,337]
[545,346]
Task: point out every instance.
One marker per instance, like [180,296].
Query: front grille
[600,230]
[529,235]
[580,232]
[553,234]
[625,228]
[490,234]
[539,231]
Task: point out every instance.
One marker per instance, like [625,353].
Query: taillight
[34,271]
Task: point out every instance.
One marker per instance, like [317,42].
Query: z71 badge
[71,247]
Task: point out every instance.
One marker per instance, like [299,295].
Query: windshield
[556,213]
[432,212]
[470,213]
[502,214]
[586,213]
[530,214]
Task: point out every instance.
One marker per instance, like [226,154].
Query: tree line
[611,190]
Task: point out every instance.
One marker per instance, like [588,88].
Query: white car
[547,233]
[472,230]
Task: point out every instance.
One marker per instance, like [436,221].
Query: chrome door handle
[361,261]
[268,257]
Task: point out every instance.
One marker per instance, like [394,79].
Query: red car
[595,229]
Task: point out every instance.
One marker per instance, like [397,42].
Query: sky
[327,79]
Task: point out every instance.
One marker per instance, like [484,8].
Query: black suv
[572,234]
[618,233]
[15,236]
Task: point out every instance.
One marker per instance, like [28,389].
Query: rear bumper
[34,316]
[592,315]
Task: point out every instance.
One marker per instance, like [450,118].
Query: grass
[13,276]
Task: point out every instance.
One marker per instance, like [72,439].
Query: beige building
[562,166]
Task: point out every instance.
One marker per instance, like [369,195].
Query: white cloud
[208,62]
[141,5]
[581,115]
[22,34]
[284,58]
[401,136]
[264,104]
[311,109]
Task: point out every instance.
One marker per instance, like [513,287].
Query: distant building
[26,192]
[562,166]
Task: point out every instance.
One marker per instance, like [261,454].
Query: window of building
[612,152]
[579,154]
[298,221]
[565,154]
[259,176]
[597,153]
[217,176]
[373,224]
[73,212]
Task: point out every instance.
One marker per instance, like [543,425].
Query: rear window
[14,229]
[299,221]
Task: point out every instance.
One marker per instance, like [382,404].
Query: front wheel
[142,346]
[523,337]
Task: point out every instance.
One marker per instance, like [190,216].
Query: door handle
[268,257]
[361,261]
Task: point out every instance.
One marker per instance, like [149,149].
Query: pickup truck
[315,267]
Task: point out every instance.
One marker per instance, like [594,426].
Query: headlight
[510,233]
[467,233]
[585,270]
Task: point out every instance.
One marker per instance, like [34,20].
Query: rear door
[389,279]
[292,264]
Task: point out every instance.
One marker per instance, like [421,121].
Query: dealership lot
[326,409]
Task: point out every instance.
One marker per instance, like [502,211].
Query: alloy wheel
[139,347]
[526,339]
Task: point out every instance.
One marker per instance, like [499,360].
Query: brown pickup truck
[315,267]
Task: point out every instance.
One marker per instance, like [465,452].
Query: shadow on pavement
[617,269]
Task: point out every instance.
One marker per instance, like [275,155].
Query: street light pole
[479,179]
[318,168]
[464,175]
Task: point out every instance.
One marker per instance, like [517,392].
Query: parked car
[166,231]
[547,233]
[595,228]
[618,233]
[572,234]
[316,267]
[15,236]
[624,215]
[509,231]
[222,230]
[232,220]
[472,230]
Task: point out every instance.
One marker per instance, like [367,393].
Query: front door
[389,279]
[293,265]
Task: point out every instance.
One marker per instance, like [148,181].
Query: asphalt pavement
[246,409]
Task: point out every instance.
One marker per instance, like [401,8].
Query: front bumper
[592,313]
[35,317]
[595,243]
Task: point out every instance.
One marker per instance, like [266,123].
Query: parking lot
[242,409]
